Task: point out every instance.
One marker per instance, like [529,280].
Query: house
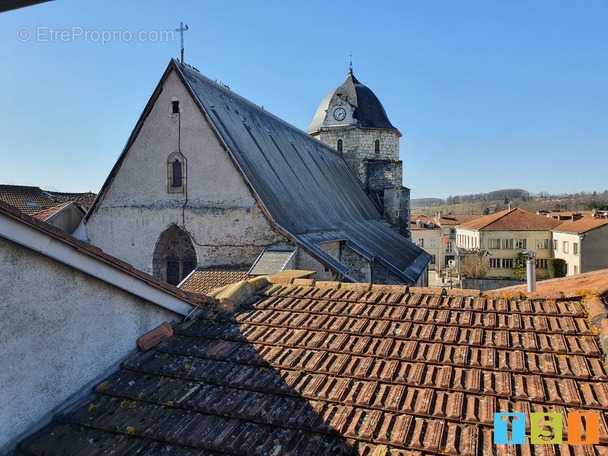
[207,178]
[448,224]
[70,313]
[582,243]
[314,367]
[437,236]
[426,234]
[506,234]
[62,210]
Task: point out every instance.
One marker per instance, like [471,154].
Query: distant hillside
[498,200]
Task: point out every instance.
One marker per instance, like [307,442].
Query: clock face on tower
[339,114]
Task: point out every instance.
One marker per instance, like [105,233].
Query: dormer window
[377,146]
[340,145]
[176,173]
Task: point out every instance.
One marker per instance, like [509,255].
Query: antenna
[182,28]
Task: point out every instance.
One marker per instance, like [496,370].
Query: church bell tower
[352,120]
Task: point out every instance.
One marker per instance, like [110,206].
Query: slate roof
[306,187]
[511,220]
[580,226]
[204,279]
[329,368]
[368,112]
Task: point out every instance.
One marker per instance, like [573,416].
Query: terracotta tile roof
[330,368]
[595,282]
[86,199]
[423,222]
[30,200]
[458,219]
[47,213]
[581,225]
[511,220]
[27,199]
[203,280]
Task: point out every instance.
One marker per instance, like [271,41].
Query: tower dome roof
[368,111]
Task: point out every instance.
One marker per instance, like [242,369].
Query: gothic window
[340,145]
[377,146]
[174,256]
[176,173]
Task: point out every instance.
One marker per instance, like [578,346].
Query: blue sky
[488,94]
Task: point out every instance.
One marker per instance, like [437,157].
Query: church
[208,178]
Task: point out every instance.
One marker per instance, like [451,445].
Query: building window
[495,263]
[555,244]
[421,243]
[542,244]
[432,259]
[565,248]
[432,243]
[507,243]
[175,107]
[575,248]
[494,244]
[575,270]
[377,146]
[340,145]
[450,247]
[541,263]
[521,243]
[176,173]
[176,179]
[507,263]
[174,256]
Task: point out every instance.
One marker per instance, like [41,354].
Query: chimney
[531,270]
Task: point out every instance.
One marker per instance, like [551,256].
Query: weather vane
[350,68]
[182,28]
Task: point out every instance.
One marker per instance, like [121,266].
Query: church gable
[175,172]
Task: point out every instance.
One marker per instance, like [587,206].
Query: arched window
[176,179]
[340,145]
[176,173]
[377,146]
[174,256]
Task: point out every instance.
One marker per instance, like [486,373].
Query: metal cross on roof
[182,28]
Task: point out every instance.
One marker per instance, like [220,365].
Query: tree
[556,267]
[519,266]
[474,264]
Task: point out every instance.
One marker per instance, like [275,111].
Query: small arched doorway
[174,255]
